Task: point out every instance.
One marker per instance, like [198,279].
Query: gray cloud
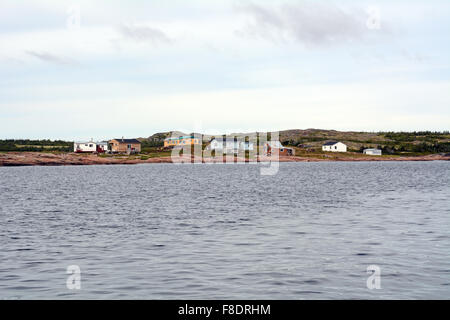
[310,23]
[47,57]
[144,34]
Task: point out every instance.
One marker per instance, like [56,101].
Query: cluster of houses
[225,146]
[229,145]
[112,146]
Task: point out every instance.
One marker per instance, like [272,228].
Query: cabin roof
[330,143]
[231,140]
[127,140]
[179,138]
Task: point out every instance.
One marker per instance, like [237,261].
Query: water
[162,231]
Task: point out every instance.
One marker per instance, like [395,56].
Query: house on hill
[124,146]
[181,141]
[230,145]
[334,146]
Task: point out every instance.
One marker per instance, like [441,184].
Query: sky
[101,69]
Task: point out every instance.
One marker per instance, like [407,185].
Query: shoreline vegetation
[395,146]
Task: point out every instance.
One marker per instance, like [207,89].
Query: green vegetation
[416,135]
[159,154]
[150,145]
[36,145]
[418,142]
[421,148]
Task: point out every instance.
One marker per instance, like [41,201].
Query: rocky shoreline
[63,159]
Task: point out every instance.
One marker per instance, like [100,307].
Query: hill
[417,142]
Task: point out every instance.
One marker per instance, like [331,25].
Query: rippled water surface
[162,231]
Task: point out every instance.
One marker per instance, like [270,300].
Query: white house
[334,146]
[90,146]
[372,152]
[230,145]
[82,146]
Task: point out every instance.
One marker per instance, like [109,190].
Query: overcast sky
[109,68]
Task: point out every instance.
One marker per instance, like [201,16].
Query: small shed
[372,152]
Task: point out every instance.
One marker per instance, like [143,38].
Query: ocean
[224,231]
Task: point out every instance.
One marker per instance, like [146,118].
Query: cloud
[309,23]
[47,57]
[144,34]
